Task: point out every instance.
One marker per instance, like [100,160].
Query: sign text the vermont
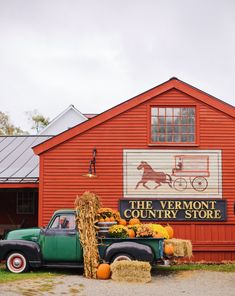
[196,210]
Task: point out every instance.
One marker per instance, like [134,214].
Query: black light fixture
[92,169]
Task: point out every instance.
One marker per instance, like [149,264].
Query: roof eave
[135,101]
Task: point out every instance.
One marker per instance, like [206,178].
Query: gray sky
[97,54]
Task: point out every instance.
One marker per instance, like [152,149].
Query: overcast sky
[97,54]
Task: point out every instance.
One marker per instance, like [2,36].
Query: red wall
[62,167]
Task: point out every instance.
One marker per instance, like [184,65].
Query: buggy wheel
[199,184]
[180,184]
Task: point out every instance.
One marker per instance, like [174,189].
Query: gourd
[103,271]
[134,221]
[122,222]
[169,249]
[131,233]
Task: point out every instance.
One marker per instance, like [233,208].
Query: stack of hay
[182,247]
[131,271]
[87,207]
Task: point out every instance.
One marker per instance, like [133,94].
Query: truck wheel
[17,263]
[120,257]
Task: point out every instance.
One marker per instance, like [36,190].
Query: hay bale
[131,271]
[182,247]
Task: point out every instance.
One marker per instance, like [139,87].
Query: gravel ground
[193,283]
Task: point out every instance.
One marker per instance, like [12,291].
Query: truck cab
[57,244]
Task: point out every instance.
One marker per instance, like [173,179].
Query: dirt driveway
[193,283]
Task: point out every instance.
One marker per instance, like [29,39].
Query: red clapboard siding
[62,167]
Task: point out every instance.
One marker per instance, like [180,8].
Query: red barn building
[165,155]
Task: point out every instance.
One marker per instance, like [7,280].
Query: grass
[6,276]
[230,267]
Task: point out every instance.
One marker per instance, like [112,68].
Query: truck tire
[17,262]
[120,257]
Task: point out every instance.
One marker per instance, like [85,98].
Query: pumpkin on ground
[134,221]
[131,233]
[170,230]
[103,271]
[122,222]
[169,249]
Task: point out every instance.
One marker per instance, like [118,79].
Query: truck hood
[30,234]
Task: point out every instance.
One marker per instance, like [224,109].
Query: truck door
[61,242]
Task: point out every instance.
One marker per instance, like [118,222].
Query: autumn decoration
[103,271]
[87,207]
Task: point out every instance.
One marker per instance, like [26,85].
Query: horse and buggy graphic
[188,171]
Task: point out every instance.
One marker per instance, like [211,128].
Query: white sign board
[172,173]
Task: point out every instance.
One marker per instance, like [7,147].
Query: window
[25,202]
[173,125]
[66,221]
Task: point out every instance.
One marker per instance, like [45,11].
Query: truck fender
[30,249]
[136,251]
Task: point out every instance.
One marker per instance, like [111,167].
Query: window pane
[154,130]
[184,138]
[184,111]
[191,120]
[176,111]
[162,112]
[169,111]
[177,128]
[154,120]
[169,138]
[177,138]
[162,138]
[191,138]
[161,120]
[162,129]
[191,111]
[55,223]
[154,111]
[169,120]
[184,128]
[169,129]
[184,120]
[177,120]
[191,128]
[154,138]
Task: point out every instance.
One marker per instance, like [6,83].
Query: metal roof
[18,163]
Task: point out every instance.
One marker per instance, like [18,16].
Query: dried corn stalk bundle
[182,247]
[87,207]
[131,271]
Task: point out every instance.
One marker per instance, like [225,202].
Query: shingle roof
[18,163]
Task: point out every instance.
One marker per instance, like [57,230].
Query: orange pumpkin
[158,235]
[112,219]
[122,222]
[134,221]
[101,220]
[170,230]
[131,233]
[169,249]
[107,219]
[103,271]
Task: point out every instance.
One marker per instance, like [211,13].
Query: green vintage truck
[58,245]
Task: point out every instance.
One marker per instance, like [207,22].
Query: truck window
[66,221]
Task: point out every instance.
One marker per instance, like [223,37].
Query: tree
[7,128]
[38,120]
